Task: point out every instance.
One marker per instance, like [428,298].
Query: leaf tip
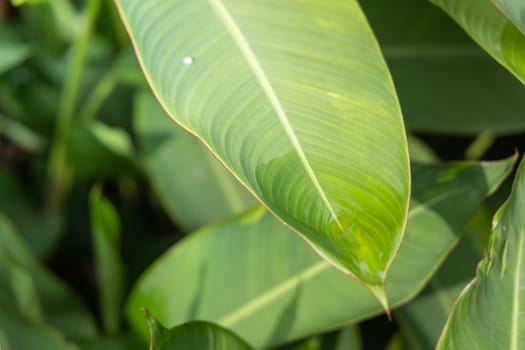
[380,293]
[157,332]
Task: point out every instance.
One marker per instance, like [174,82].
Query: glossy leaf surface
[192,336]
[224,273]
[515,10]
[194,187]
[446,83]
[296,100]
[490,312]
[482,20]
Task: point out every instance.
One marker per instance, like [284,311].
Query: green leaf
[21,135]
[446,83]
[19,333]
[24,291]
[421,331]
[12,54]
[249,275]
[34,287]
[22,2]
[114,139]
[40,229]
[349,339]
[515,10]
[109,267]
[419,151]
[312,343]
[397,342]
[192,336]
[490,314]
[296,100]
[193,186]
[121,341]
[98,150]
[491,30]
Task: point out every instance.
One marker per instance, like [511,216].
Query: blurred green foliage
[96,182]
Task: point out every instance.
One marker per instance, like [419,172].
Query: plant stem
[59,174]
[102,90]
[480,146]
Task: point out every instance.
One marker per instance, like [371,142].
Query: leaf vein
[224,15]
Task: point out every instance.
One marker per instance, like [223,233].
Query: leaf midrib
[225,17]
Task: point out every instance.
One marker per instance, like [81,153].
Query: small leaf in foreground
[490,312]
[192,336]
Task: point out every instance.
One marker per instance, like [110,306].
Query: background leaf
[193,186]
[446,83]
[19,333]
[12,54]
[349,339]
[489,314]
[303,112]
[273,300]
[40,228]
[59,306]
[110,268]
[419,151]
[491,30]
[420,331]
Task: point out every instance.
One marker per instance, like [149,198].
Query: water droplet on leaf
[188,60]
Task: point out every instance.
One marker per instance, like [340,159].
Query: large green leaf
[193,186]
[249,275]
[515,10]
[492,31]
[192,336]
[28,289]
[296,100]
[463,87]
[490,312]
